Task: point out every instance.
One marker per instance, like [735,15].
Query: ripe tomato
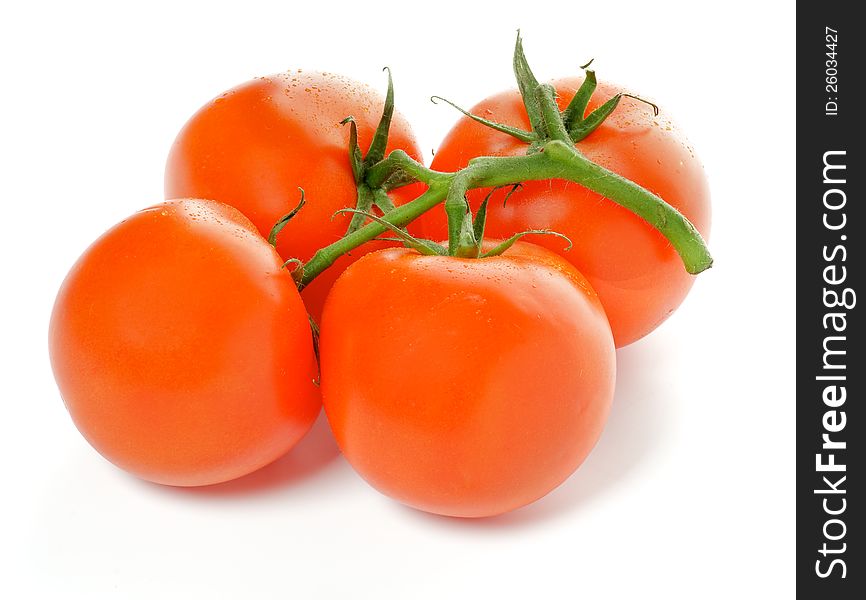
[639,278]
[181,347]
[253,146]
[465,387]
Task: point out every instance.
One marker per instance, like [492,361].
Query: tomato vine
[551,155]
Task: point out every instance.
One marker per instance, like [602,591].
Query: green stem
[671,223]
[400,216]
[398,162]
[556,160]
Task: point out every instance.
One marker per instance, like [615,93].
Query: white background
[689,494]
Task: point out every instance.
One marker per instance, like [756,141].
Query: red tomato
[465,387]
[639,278]
[181,347]
[253,146]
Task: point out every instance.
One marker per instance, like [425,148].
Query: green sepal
[584,127]
[510,193]
[527,84]
[383,201]
[356,157]
[363,204]
[500,248]
[316,332]
[576,109]
[366,198]
[284,220]
[553,125]
[380,137]
[479,224]
[467,246]
[516,132]
[420,245]
[456,208]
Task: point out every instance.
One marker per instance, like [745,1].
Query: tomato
[181,347]
[253,146]
[465,387]
[639,278]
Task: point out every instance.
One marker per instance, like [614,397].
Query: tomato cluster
[466,380]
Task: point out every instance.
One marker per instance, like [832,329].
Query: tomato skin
[639,278]
[182,349]
[255,145]
[465,387]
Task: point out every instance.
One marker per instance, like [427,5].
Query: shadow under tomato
[313,453]
[636,427]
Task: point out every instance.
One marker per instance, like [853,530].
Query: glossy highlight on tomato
[465,387]
[182,349]
[639,277]
[255,145]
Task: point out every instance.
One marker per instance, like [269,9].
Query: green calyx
[547,122]
[574,117]
[465,233]
[368,196]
